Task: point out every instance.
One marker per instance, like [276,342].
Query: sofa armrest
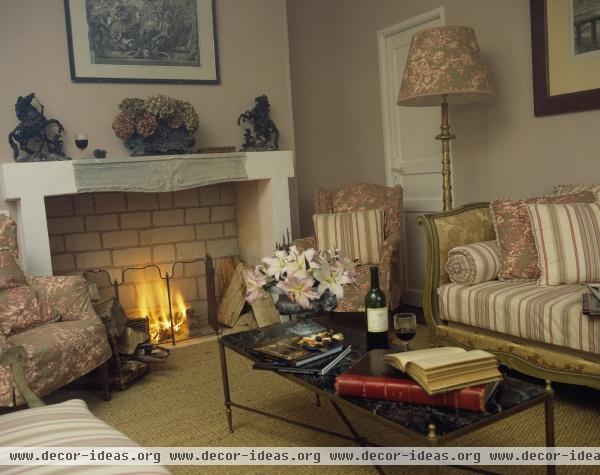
[305,243]
[444,231]
[68,297]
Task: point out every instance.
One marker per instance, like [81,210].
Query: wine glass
[81,142]
[405,325]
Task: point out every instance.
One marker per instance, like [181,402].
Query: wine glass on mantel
[81,142]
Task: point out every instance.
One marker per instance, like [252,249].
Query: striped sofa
[539,331]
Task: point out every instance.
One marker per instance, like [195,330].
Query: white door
[412,155]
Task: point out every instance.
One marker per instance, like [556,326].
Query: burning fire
[153,301]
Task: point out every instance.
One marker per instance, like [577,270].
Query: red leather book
[372,378]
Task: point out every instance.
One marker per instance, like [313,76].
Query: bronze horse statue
[265,129]
[31,135]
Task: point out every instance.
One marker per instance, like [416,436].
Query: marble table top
[512,393]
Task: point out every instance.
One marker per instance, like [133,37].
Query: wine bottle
[377,314]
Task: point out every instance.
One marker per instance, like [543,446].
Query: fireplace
[68,225]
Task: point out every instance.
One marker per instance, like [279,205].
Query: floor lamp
[444,66]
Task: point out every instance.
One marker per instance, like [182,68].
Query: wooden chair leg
[104,381]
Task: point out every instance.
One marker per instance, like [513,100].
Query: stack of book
[591,301]
[299,355]
[446,377]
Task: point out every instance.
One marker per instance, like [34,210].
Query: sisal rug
[181,404]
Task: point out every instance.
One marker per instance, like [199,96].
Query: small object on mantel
[99,153]
[226,149]
[266,134]
[31,136]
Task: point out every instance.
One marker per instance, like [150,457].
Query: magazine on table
[301,350]
[317,368]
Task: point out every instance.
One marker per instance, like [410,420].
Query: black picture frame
[544,103]
[216,80]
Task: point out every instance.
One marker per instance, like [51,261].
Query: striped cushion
[359,235]
[473,263]
[563,189]
[68,424]
[523,309]
[567,237]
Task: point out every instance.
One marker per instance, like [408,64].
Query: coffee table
[431,426]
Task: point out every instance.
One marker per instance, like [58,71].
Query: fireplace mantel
[26,185]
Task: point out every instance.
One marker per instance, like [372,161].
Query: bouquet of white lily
[302,276]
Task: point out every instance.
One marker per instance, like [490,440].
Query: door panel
[413,157]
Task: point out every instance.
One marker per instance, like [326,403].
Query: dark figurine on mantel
[32,137]
[266,135]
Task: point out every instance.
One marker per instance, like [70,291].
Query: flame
[152,301]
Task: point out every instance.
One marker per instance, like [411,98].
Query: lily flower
[255,280]
[299,288]
[331,278]
[301,262]
[276,264]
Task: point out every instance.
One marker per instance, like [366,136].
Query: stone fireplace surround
[62,231]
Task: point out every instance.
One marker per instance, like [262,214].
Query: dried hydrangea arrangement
[156,125]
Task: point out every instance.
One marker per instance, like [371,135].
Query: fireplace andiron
[130,338]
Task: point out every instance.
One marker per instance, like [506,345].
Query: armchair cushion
[8,234]
[305,243]
[19,305]
[11,274]
[64,297]
[364,196]
[359,235]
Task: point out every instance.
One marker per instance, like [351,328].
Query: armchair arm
[391,268]
[465,225]
[305,243]
[68,297]
[15,358]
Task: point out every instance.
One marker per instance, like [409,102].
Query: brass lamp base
[445,136]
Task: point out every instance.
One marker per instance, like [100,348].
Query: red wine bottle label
[377,319]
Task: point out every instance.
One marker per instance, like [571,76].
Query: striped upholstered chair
[362,197]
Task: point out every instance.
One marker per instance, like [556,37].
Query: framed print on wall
[565,48]
[158,41]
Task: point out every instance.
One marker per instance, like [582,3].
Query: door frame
[382,35]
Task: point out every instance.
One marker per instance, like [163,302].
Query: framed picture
[158,41]
[565,47]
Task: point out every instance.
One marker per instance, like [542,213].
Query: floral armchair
[362,197]
[51,321]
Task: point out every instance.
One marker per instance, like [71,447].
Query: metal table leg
[225,378]
[359,439]
[549,416]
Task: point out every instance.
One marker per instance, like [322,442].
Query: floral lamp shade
[444,63]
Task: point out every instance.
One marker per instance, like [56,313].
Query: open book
[446,368]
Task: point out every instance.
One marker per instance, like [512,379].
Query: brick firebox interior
[117,230]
